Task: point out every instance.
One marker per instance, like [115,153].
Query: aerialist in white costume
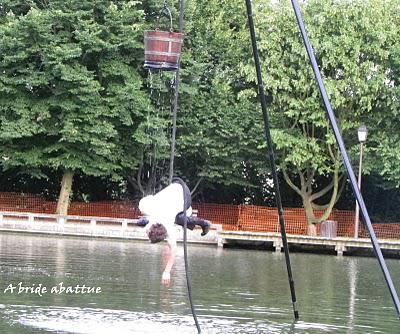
[170,206]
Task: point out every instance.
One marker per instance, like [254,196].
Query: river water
[235,291]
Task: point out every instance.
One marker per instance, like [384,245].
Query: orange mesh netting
[231,217]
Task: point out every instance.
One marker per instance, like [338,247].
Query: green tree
[352,41]
[216,131]
[71,93]
[383,146]
[74,98]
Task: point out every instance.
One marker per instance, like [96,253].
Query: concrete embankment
[114,228]
[98,227]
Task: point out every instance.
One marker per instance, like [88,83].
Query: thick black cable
[346,160]
[271,155]
[188,279]
[187,202]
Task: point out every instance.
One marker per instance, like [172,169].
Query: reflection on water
[87,321]
[235,291]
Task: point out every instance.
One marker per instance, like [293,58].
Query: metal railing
[35,218]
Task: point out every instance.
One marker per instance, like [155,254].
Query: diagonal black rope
[346,159]
[271,155]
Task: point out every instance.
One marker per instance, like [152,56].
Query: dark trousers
[191,221]
[181,217]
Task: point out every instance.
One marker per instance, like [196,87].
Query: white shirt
[163,207]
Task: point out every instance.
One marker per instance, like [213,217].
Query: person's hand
[166,278]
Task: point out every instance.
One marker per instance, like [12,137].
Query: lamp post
[362,138]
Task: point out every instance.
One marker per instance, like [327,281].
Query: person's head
[157,233]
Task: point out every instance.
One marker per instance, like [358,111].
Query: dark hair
[157,233]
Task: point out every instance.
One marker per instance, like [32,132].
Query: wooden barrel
[162,49]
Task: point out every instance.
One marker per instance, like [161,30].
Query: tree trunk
[308,197]
[312,230]
[311,219]
[65,193]
[334,197]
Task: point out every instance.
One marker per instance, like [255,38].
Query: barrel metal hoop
[160,53]
[163,39]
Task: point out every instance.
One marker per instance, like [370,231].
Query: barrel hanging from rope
[162,52]
[162,47]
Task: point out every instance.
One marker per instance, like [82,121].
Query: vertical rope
[175,104]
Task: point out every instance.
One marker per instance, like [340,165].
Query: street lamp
[362,138]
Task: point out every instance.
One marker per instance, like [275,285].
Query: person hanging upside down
[171,205]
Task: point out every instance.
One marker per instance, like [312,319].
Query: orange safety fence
[345,222]
[21,202]
[225,214]
[112,209]
[257,219]
[382,231]
[231,217]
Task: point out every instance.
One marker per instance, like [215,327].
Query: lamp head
[362,134]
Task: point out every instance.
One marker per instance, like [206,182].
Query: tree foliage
[71,93]
[74,96]
[353,45]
